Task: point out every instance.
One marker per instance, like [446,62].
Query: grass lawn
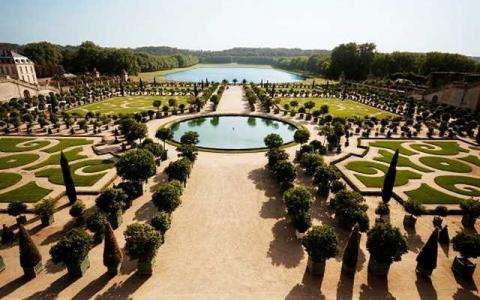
[386,157]
[428,195]
[17,160]
[450,182]
[9,179]
[392,145]
[67,143]
[29,192]
[445,164]
[471,159]
[371,168]
[446,148]
[340,108]
[12,144]
[54,159]
[126,105]
[54,175]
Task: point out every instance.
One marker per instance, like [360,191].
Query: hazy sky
[410,25]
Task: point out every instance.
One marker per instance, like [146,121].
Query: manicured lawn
[54,159]
[12,144]
[392,145]
[371,168]
[17,160]
[386,157]
[428,195]
[127,104]
[340,108]
[29,192]
[54,175]
[472,159]
[445,164]
[450,182]
[446,148]
[67,143]
[9,179]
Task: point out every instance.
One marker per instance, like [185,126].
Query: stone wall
[459,95]
[10,89]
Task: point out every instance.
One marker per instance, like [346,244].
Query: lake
[251,74]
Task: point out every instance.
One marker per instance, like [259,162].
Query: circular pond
[233,132]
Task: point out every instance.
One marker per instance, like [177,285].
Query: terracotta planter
[463,267]
[377,268]
[31,272]
[78,269]
[316,268]
[47,220]
[145,266]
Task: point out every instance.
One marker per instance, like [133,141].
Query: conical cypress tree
[427,258]
[112,256]
[30,257]
[389,180]
[350,255]
[67,179]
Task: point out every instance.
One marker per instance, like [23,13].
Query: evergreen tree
[478,136]
[112,255]
[30,257]
[444,237]
[427,258]
[67,179]
[389,180]
[350,255]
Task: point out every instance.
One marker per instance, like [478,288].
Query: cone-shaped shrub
[112,255]
[444,237]
[67,179]
[350,255]
[427,258]
[389,180]
[30,257]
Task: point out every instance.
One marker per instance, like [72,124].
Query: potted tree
[350,254]
[427,258]
[350,209]
[386,245]
[164,134]
[111,202]
[414,208]
[323,177]
[45,210]
[320,244]
[30,257]
[468,244]
[142,242]
[136,165]
[167,197]
[302,221]
[77,210]
[132,189]
[112,255]
[471,211]
[298,200]
[7,235]
[17,209]
[72,250]
[96,224]
[179,170]
[161,222]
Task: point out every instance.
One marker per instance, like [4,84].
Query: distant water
[233,132]
[251,74]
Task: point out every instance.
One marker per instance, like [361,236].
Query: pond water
[251,74]
[233,132]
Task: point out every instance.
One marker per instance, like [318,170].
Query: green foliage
[414,207]
[112,255]
[136,165]
[298,200]
[45,208]
[427,257]
[179,170]
[188,151]
[273,140]
[16,208]
[468,244]
[142,241]
[302,221]
[161,221]
[320,243]
[310,162]
[389,180]
[276,155]
[471,208]
[67,179]
[111,200]
[350,208]
[96,223]
[284,172]
[190,138]
[301,136]
[385,243]
[29,254]
[167,197]
[77,209]
[72,248]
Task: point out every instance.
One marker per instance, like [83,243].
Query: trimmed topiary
[273,140]
[7,235]
[427,258]
[350,254]
[320,244]
[179,170]
[161,221]
[72,250]
[350,209]
[471,211]
[297,200]
[112,255]
[142,242]
[111,202]
[468,244]
[96,224]
[45,210]
[68,179]
[30,257]
[167,197]
[132,189]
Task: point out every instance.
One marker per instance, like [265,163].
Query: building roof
[10,57]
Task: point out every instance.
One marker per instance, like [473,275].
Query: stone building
[17,66]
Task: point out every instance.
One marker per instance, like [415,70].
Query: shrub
[161,221]
[132,189]
[301,136]
[45,208]
[385,243]
[350,208]
[468,244]
[273,140]
[337,186]
[136,165]
[189,137]
[298,200]
[142,241]
[72,248]
[414,207]
[188,151]
[111,200]
[323,177]
[167,197]
[320,243]
[29,254]
[471,211]
[77,209]
[179,170]
[16,208]
[276,155]
[310,162]
[96,223]
[382,209]
[284,173]
[302,221]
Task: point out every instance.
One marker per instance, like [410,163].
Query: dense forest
[353,61]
